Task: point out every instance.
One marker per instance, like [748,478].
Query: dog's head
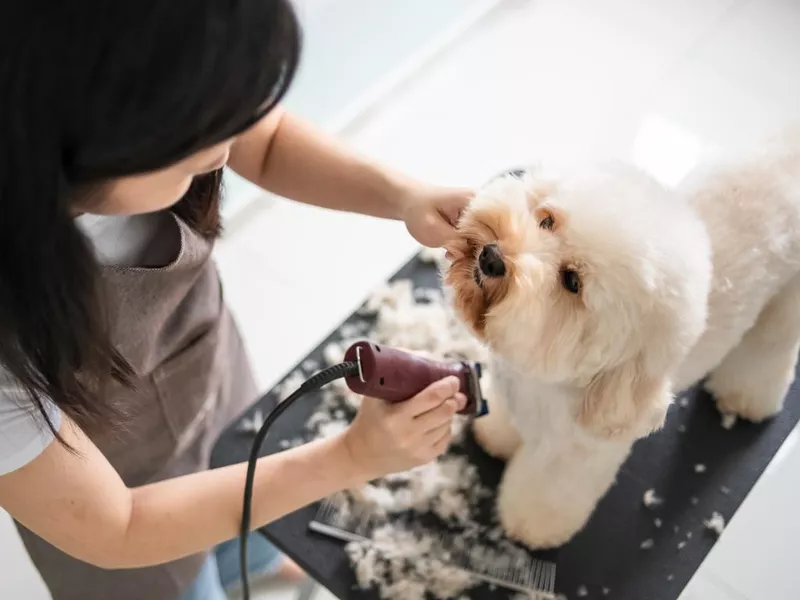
[597,279]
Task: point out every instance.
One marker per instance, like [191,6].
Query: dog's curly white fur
[614,292]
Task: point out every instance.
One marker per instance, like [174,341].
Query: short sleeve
[23,433]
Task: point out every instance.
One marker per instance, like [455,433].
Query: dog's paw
[536,525]
[746,408]
[497,438]
[754,394]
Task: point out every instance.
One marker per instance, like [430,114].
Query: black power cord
[312,384]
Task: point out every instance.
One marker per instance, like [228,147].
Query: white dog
[599,293]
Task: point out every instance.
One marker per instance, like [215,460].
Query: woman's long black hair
[92,90]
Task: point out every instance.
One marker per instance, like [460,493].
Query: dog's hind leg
[753,379]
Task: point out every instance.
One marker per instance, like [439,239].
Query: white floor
[654,81]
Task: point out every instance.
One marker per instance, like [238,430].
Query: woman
[119,363]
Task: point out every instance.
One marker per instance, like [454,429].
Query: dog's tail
[785,144]
[788,137]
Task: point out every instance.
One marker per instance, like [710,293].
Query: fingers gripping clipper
[394,375]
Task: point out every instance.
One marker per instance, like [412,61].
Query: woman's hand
[387,438]
[431,213]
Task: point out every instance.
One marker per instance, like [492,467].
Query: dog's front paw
[535,524]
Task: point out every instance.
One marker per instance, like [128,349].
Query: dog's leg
[753,379]
[494,432]
[548,494]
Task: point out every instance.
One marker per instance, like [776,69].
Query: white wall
[354,52]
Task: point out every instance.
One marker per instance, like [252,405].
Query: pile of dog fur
[405,558]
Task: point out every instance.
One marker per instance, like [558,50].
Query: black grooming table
[607,553]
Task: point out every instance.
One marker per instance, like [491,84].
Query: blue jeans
[221,571]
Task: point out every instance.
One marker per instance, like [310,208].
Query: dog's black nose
[490,261]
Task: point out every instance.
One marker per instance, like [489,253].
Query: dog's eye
[547,223]
[571,281]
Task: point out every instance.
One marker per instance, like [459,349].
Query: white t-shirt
[141,240]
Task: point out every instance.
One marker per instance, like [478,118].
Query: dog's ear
[625,401]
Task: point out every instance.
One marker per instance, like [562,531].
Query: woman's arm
[80,505]
[288,156]
[77,501]
[291,158]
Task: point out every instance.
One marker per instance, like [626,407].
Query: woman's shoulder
[23,433]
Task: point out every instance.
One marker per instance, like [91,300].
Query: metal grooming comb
[519,573]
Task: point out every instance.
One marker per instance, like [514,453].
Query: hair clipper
[395,376]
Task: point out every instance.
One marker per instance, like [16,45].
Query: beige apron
[193,379]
